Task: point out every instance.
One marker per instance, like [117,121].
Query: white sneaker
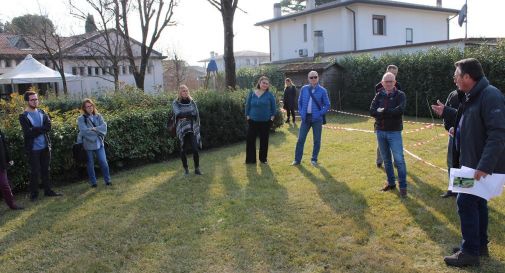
[314,163]
[294,163]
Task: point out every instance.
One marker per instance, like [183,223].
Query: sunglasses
[313,77]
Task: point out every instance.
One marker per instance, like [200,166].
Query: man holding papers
[479,144]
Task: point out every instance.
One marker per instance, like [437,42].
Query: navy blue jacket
[394,107]
[482,137]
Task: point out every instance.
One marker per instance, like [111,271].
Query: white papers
[487,188]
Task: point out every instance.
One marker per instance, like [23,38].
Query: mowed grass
[260,218]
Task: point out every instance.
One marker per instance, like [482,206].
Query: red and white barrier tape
[424,161]
[427,141]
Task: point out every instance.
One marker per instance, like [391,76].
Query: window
[81,70]
[130,69]
[74,70]
[379,25]
[305,32]
[7,63]
[90,71]
[150,69]
[124,69]
[409,39]
[97,71]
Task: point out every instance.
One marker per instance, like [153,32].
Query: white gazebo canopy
[31,71]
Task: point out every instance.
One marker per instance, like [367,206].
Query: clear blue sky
[200,30]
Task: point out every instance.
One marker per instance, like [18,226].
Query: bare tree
[154,16]
[175,71]
[227,9]
[43,35]
[106,46]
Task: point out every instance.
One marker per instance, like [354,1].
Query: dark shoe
[388,187]
[34,197]
[93,185]
[287,121]
[186,171]
[460,259]
[52,194]
[250,162]
[108,183]
[483,251]
[264,162]
[448,194]
[197,171]
[403,193]
[379,165]
[16,207]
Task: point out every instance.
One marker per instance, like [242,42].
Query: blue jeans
[317,128]
[102,161]
[390,142]
[473,214]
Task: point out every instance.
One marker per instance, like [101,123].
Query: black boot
[460,259]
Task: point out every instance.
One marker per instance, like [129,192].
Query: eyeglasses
[389,81]
[313,77]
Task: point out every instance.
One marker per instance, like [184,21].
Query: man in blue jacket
[313,103]
[479,143]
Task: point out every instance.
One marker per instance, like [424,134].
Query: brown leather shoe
[403,193]
[461,259]
[483,251]
[388,187]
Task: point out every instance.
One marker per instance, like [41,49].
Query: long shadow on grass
[343,201]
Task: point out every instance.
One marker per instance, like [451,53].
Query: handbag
[171,126]
[80,155]
[318,105]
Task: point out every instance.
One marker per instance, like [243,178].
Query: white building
[354,25]
[80,59]
[242,59]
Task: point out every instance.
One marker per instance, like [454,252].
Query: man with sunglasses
[388,107]
[313,103]
[36,125]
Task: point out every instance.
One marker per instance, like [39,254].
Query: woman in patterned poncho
[187,127]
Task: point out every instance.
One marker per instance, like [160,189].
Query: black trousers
[39,168]
[190,140]
[291,112]
[256,128]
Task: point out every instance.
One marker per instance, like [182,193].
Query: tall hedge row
[136,129]
[424,76]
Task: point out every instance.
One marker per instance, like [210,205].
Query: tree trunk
[229,58]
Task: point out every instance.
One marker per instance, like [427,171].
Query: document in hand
[461,180]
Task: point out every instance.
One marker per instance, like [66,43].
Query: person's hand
[11,163]
[479,174]
[451,131]
[438,108]
[380,110]
[93,129]
[248,118]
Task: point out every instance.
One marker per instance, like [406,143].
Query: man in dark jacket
[36,126]
[453,101]
[387,107]
[378,87]
[479,143]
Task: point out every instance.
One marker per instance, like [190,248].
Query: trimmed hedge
[424,76]
[137,130]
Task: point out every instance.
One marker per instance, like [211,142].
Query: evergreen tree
[90,25]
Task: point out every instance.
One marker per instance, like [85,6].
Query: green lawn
[264,218]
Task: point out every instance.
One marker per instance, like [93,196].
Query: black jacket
[453,101]
[482,137]
[289,99]
[394,107]
[30,132]
[4,153]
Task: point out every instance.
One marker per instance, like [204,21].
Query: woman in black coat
[5,162]
[289,99]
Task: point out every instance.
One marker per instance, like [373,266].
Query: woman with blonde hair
[92,131]
[187,127]
[289,99]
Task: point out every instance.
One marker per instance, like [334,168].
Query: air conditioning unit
[302,52]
